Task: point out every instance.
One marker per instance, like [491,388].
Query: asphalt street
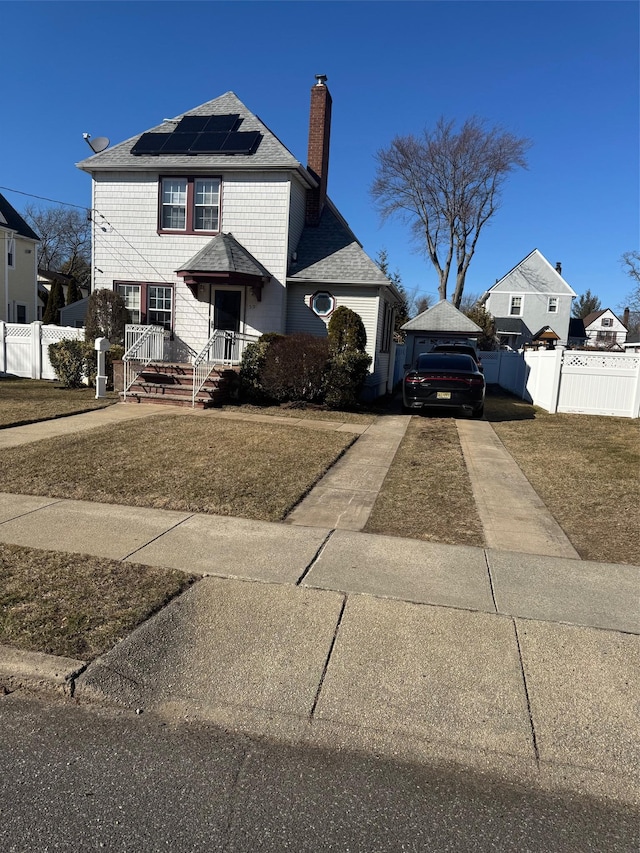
[84,778]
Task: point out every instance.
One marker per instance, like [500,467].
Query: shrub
[107,316]
[253,360]
[345,377]
[294,369]
[346,331]
[68,359]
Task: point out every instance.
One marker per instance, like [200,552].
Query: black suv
[461,349]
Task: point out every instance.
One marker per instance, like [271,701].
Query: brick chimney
[625,318]
[318,152]
[558,267]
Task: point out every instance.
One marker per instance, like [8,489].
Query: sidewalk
[521,665]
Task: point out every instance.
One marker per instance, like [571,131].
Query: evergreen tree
[585,304]
[74,294]
[54,303]
[107,316]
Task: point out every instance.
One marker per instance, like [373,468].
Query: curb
[37,671]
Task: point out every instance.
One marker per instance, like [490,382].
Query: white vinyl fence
[24,349]
[560,380]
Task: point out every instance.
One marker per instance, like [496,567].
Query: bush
[68,359]
[253,360]
[107,316]
[294,369]
[346,331]
[345,377]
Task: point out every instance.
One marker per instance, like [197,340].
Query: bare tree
[65,240]
[631,264]
[447,185]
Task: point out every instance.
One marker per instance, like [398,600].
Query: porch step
[172,384]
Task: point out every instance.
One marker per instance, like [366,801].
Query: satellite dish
[96,145]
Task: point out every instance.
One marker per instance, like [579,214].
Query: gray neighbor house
[532,302]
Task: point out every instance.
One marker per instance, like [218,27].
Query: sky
[563,74]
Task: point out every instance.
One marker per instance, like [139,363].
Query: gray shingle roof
[442,317]
[330,252]
[270,152]
[225,254]
[10,218]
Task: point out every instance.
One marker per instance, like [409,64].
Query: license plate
[443,395]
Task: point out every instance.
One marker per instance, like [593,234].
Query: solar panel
[212,124]
[190,124]
[191,137]
[208,143]
[240,142]
[179,143]
[150,143]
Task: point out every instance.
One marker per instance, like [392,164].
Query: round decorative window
[322,303]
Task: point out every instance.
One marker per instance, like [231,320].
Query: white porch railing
[222,348]
[144,344]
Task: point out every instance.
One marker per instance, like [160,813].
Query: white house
[207,222]
[18,267]
[604,329]
[532,300]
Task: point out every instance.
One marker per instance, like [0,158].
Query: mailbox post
[102,346]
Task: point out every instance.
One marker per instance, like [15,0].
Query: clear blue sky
[564,74]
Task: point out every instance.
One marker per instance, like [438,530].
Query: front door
[225,310]
[224,315]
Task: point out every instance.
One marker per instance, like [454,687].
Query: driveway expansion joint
[328,658]
[315,557]
[526,693]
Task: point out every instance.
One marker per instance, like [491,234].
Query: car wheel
[478,413]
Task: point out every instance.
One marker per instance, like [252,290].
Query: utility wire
[44,198]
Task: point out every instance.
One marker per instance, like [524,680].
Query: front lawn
[181,462]
[75,605]
[584,467]
[25,401]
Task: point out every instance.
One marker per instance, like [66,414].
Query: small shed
[441,324]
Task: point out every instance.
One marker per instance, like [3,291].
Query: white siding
[127,246]
[300,317]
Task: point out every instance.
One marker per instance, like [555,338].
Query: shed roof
[442,317]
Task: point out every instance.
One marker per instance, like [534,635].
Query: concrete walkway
[513,516]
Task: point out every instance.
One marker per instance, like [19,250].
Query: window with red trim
[189,205]
[149,303]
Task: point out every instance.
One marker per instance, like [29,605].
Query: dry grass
[76,605]
[427,493]
[305,412]
[25,401]
[585,468]
[180,462]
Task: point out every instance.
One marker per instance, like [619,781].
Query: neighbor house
[531,303]
[46,279]
[18,267]
[604,329]
[207,222]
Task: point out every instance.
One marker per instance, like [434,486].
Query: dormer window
[190,205]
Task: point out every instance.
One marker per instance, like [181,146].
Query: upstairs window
[552,305]
[190,205]
[607,321]
[11,252]
[516,306]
